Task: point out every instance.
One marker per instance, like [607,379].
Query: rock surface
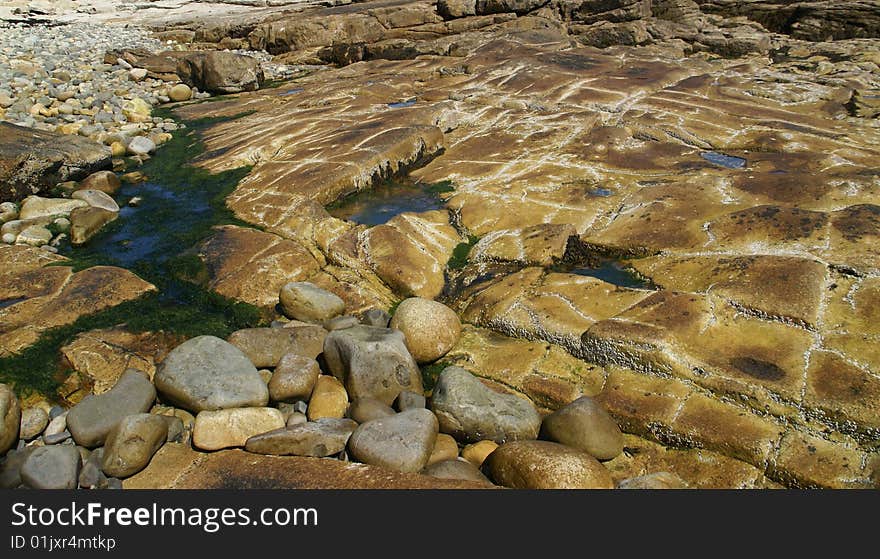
[51,467]
[401,442]
[584,425]
[232,427]
[10,418]
[132,443]
[545,465]
[430,328]
[320,438]
[91,420]
[307,302]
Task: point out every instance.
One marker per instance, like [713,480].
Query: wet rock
[91,420]
[266,346]
[430,328]
[33,421]
[408,400]
[105,181]
[366,409]
[96,199]
[10,418]
[445,448]
[132,443]
[294,378]
[657,480]
[476,453]
[402,442]
[220,72]
[52,467]
[324,437]
[470,411]
[87,222]
[584,425]
[229,428]
[545,465]
[34,207]
[207,373]
[309,303]
[329,399]
[456,469]
[372,362]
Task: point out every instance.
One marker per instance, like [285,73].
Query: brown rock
[294,378]
[431,329]
[545,465]
[329,399]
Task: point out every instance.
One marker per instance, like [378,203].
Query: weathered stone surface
[179,467]
[539,245]
[545,465]
[132,443]
[471,411]
[429,328]
[207,373]
[372,362]
[91,420]
[33,421]
[329,399]
[232,427]
[401,442]
[51,467]
[265,347]
[584,425]
[220,72]
[86,222]
[10,418]
[32,161]
[308,302]
[324,437]
[294,378]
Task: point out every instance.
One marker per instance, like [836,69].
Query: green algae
[460,253]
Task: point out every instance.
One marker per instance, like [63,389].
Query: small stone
[33,422]
[470,411]
[105,181]
[309,303]
[402,442]
[34,235]
[10,466]
[137,74]
[456,469]
[266,375]
[329,399]
[477,452]
[657,480]
[445,448]
[376,317]
[408,400]
[207,373]
[96,199]
[132,443]
[56,424]
[91,420]
[136,110]
[141,145]
[372,362]
[324,437]
[176,429]
[584,425]
[56,438]
[367,409]
[52,467]
[229,428]
[340,323]
[9,238]
[294,378]
[296,418]
[431,329]
[545,465]
[10,418]
[180,92]
[91,476]
[87,222]
[118,149]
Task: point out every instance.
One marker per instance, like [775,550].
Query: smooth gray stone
[52,467]
[324,437]
[92,419]
[402,442]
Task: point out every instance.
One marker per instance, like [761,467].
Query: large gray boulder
[470,411]
[372,362]
[91,420]
[220,72]
[207,373]
[324,437]
[402,442]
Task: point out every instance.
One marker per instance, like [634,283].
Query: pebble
[52,467]
[584,425]
[329,399]
[294,378]
[56,424]
[445,448]
[132,443]
[471,411]
[402,442]
[207,373]
[476,453]
[229,428]
[180,92]
[33,421]
[10,418]
[105,181]
[366,409]
[91,420]
[373,362]
[56,437]
[431,329]
[296,418]
[309,303]
[91,476]
[141,145]
[340,323]
[545,465]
